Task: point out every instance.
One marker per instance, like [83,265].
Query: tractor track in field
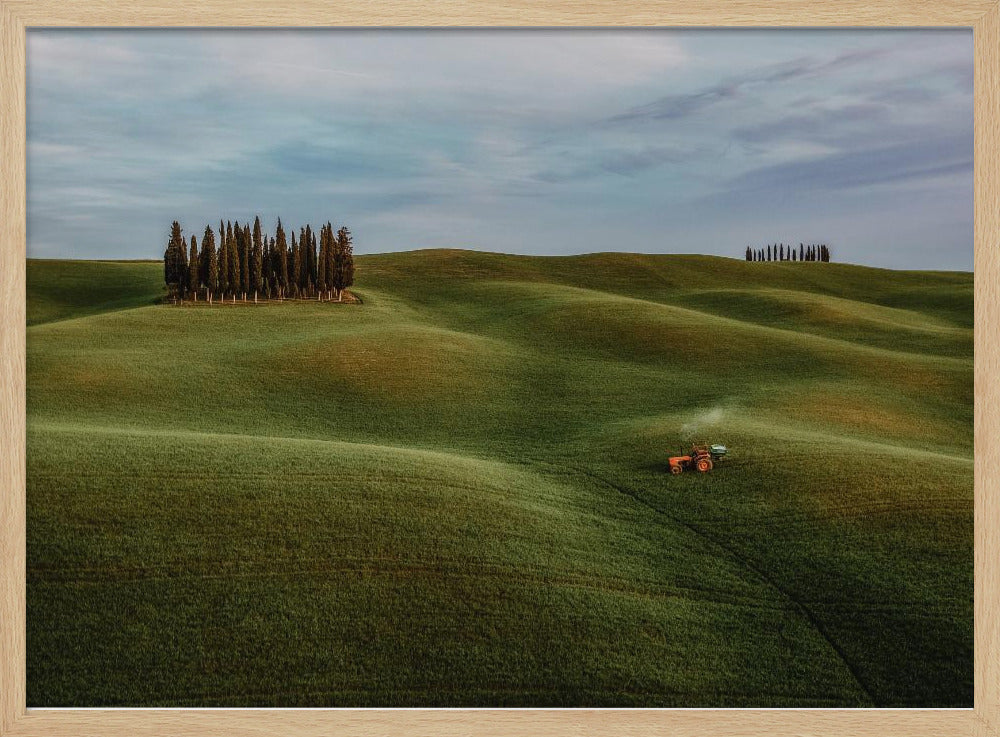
[742,561]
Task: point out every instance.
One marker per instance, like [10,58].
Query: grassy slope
[63,290]
[456,493]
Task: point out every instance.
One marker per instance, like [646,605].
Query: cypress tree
[182,250]
[276,266]
[295,272]
[257,262]
[257,259]
[236,259]
[315,259]
[245,261]
[207,241]
[768,251]
[241,250]
[300,264]
[223,263]
[310,258]
[238,284]
[221,254]
[169,268]
[321,265]
[212,267]
[169,265]
[174,261]
[335,265]
[281,254]
[302,271]
[233,260]
[345,267]
[331,262]
[266,265]
[193,274]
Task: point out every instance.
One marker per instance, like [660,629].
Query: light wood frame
[17,15]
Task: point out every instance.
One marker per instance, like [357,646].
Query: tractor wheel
[675,470]
[704,465]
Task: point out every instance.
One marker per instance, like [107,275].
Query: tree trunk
[255,296]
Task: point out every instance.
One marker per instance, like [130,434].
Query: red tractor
[701,458]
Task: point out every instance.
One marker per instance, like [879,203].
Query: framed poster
[630,376]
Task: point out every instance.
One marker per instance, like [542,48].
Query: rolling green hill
[457,493]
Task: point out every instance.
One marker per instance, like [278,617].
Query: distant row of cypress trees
[247,263]
[781,252]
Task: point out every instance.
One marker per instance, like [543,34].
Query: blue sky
[540,141]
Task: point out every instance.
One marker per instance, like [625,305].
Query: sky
[544,142]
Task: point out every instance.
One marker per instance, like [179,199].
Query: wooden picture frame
[983,16]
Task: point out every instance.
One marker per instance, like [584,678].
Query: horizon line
[544,256]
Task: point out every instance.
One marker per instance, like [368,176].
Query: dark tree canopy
[175,261]
[211,259]
[781,252]
[193,272]
[248,264]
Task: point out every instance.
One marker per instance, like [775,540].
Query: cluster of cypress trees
[781,252]
[248,262]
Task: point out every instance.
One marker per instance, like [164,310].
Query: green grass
[58,292]
[457,492]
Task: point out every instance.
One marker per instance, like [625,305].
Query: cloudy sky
[547,142]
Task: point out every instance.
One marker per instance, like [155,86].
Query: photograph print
[499,368]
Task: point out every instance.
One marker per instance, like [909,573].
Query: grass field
[457,492]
